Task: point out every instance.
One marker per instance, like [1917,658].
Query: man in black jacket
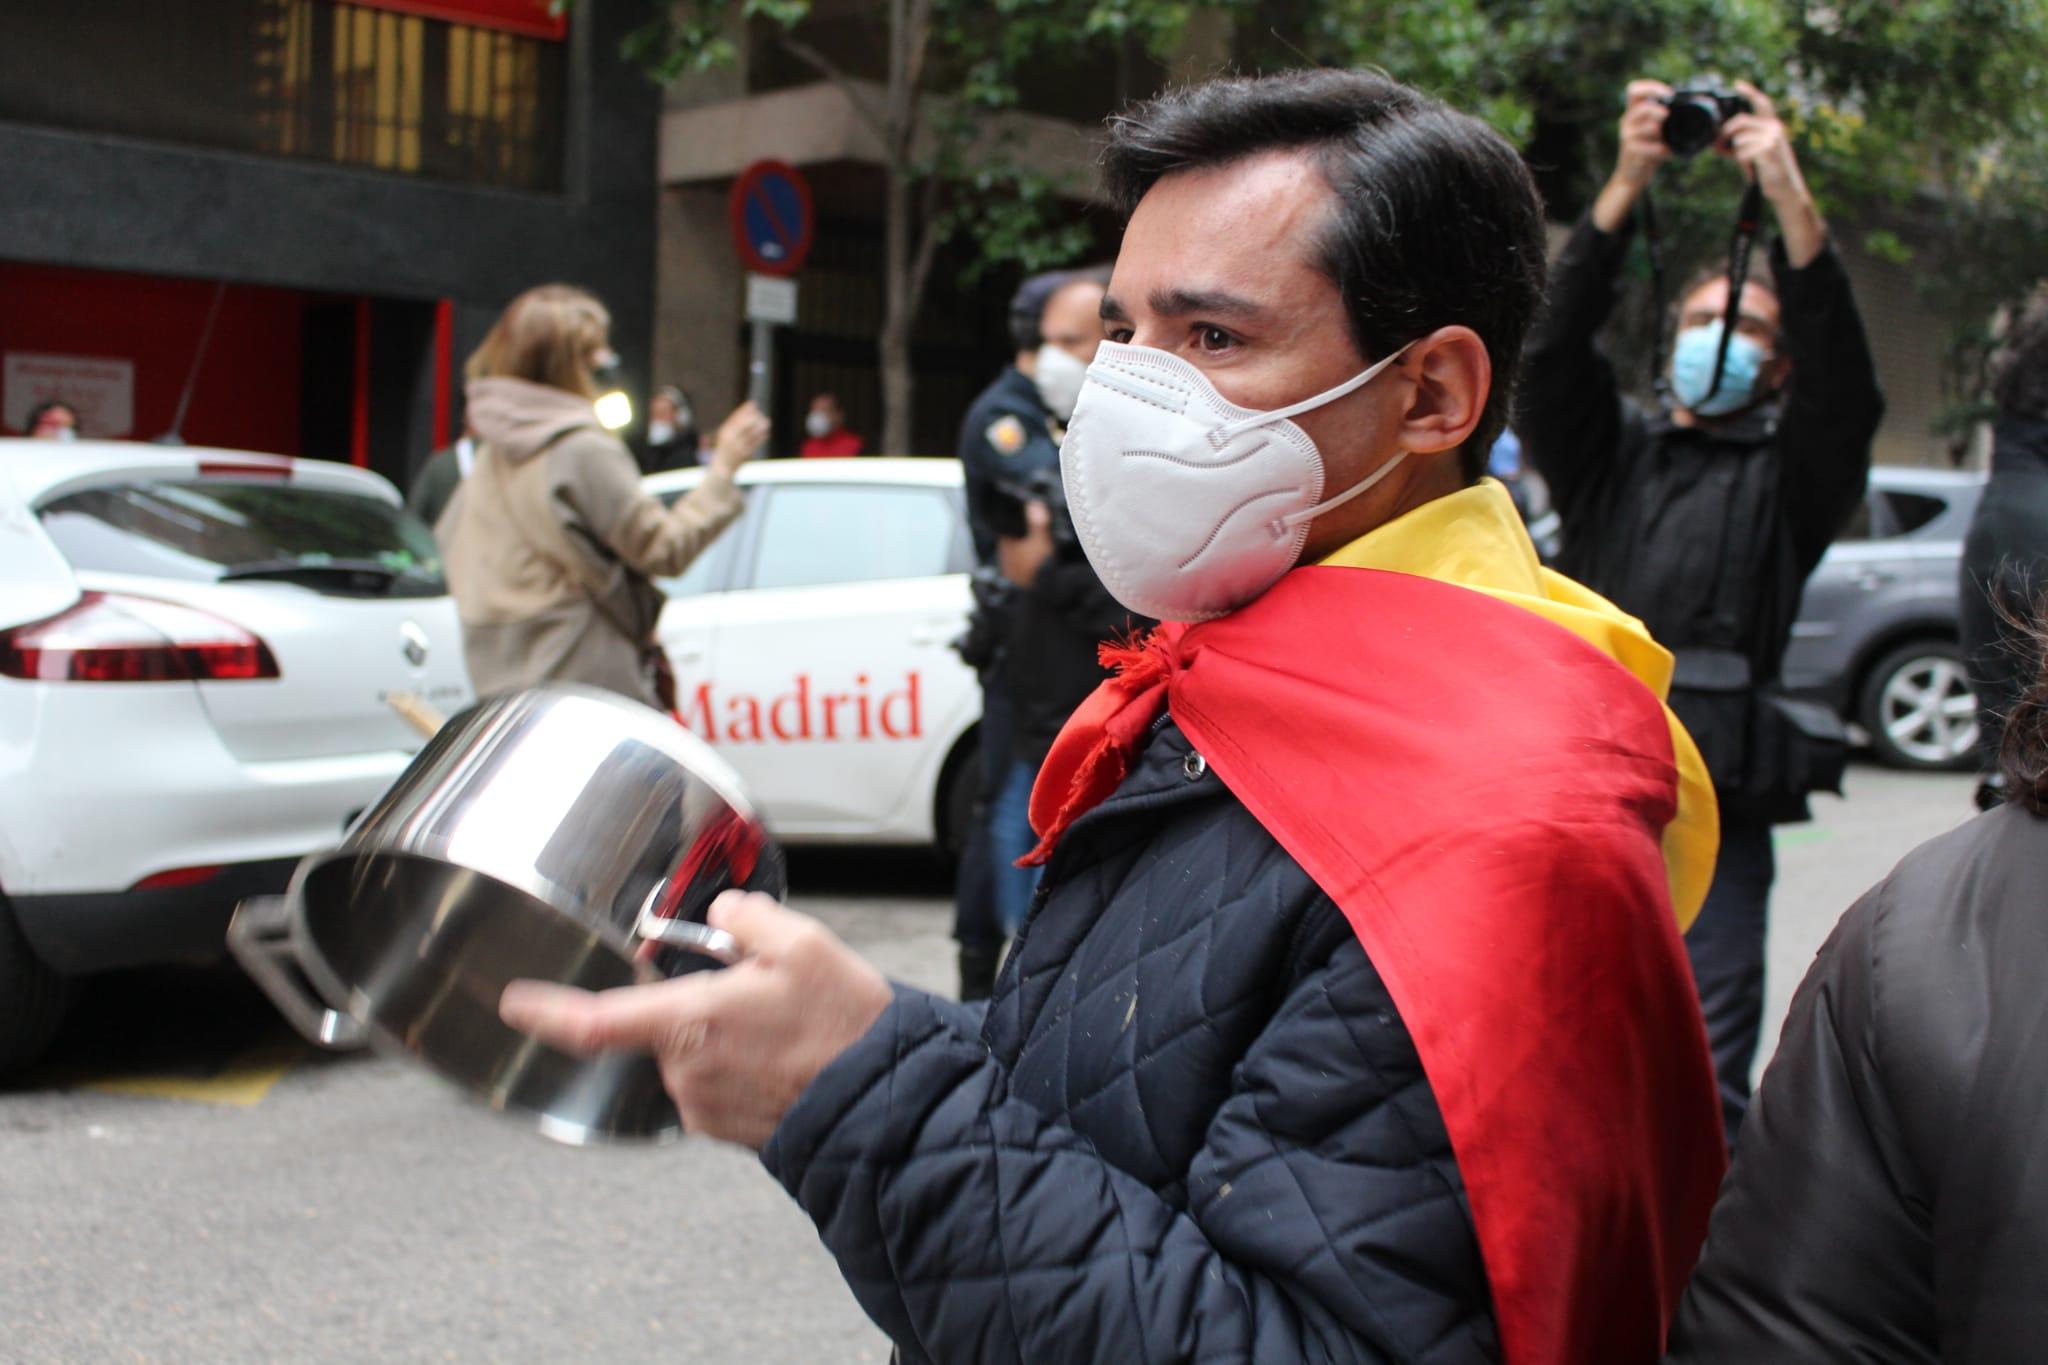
[1351,1021]
[1890,1205]
[1704,516]
[1010,437]
[2005,558]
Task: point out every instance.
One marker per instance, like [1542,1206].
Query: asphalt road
[185,1182]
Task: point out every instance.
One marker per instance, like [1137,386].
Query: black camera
[1006,512]
[1697,115]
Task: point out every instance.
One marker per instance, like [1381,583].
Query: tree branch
[833,72]
[928,241]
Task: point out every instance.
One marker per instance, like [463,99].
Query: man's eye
[1120,335]
[1213,339]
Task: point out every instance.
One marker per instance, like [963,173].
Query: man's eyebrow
[1177,303]
[1112,311]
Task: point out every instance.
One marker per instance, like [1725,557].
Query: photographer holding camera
[1704,514]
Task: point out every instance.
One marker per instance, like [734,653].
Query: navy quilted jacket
[1190,1126]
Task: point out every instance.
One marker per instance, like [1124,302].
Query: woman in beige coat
[550,544]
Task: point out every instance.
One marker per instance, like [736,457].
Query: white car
[812,646]
[196,647]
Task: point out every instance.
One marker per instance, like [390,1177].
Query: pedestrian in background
[550,544]
[435,484]
[1704,516]
[1060,615]
[53,420]
[825,431]
[2005,556]
[1010,435]
[673,441]
[1889,1203]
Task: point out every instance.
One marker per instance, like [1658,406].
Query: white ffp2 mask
[1188,505]
[1058,376]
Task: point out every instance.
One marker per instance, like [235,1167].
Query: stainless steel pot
[563,834]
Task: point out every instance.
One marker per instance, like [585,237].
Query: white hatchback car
[812,646]
[196,647]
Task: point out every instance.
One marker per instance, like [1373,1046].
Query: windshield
[211,530]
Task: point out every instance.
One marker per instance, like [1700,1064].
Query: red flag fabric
[1483,794]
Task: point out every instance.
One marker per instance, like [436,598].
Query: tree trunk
[899,315]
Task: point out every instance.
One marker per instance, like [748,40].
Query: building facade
[283,224]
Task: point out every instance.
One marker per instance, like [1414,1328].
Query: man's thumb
[762,924]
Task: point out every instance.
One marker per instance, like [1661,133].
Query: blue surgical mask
[1692,370]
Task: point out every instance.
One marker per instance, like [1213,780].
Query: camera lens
[1690,127]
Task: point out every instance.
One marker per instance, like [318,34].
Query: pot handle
[688,933]
[259,936]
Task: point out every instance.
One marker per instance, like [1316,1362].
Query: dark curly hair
[2024,753]
[2019,367]
[1436,221]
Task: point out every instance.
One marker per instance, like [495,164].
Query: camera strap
[1748,222]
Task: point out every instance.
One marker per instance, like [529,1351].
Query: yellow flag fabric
[1475,539]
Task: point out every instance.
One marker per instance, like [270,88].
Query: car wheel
[957,797]
[1917,706]
[32,998]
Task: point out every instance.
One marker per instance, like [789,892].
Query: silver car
[1877,632]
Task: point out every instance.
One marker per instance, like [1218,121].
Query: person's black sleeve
[1570,414]
[434,486]
[1833,406]
[973,1227]
[1070,589]
[1812,1253]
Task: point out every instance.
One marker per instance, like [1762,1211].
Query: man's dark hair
[1027,307]
[1716,268]
[2020,366]
[1436,220]
[2023,755]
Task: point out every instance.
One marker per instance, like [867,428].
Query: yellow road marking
[242,1081]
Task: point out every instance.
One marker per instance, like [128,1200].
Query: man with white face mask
[1704,515]
[1351,1021]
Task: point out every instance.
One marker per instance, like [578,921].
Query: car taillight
[113,637]
[177,877]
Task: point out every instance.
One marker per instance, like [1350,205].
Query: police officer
[1010,436]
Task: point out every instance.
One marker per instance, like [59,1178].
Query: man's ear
[1452,374]
[1778,373]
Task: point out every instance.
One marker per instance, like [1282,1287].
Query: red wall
[247,396]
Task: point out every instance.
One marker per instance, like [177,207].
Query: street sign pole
[761,367]
[772,225]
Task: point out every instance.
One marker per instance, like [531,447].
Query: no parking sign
[771,218]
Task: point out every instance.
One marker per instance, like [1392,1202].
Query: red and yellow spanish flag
[1471,756]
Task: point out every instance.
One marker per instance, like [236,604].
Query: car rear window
[1913,510]
[217,530]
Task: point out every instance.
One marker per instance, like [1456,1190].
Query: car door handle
[933,632]
[1872,579]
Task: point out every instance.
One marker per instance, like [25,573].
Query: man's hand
[1642,152]
[735,1047]
[1021,557]
[1757,142]
[740,438]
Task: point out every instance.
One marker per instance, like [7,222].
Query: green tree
[949,169]
[1924,123]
